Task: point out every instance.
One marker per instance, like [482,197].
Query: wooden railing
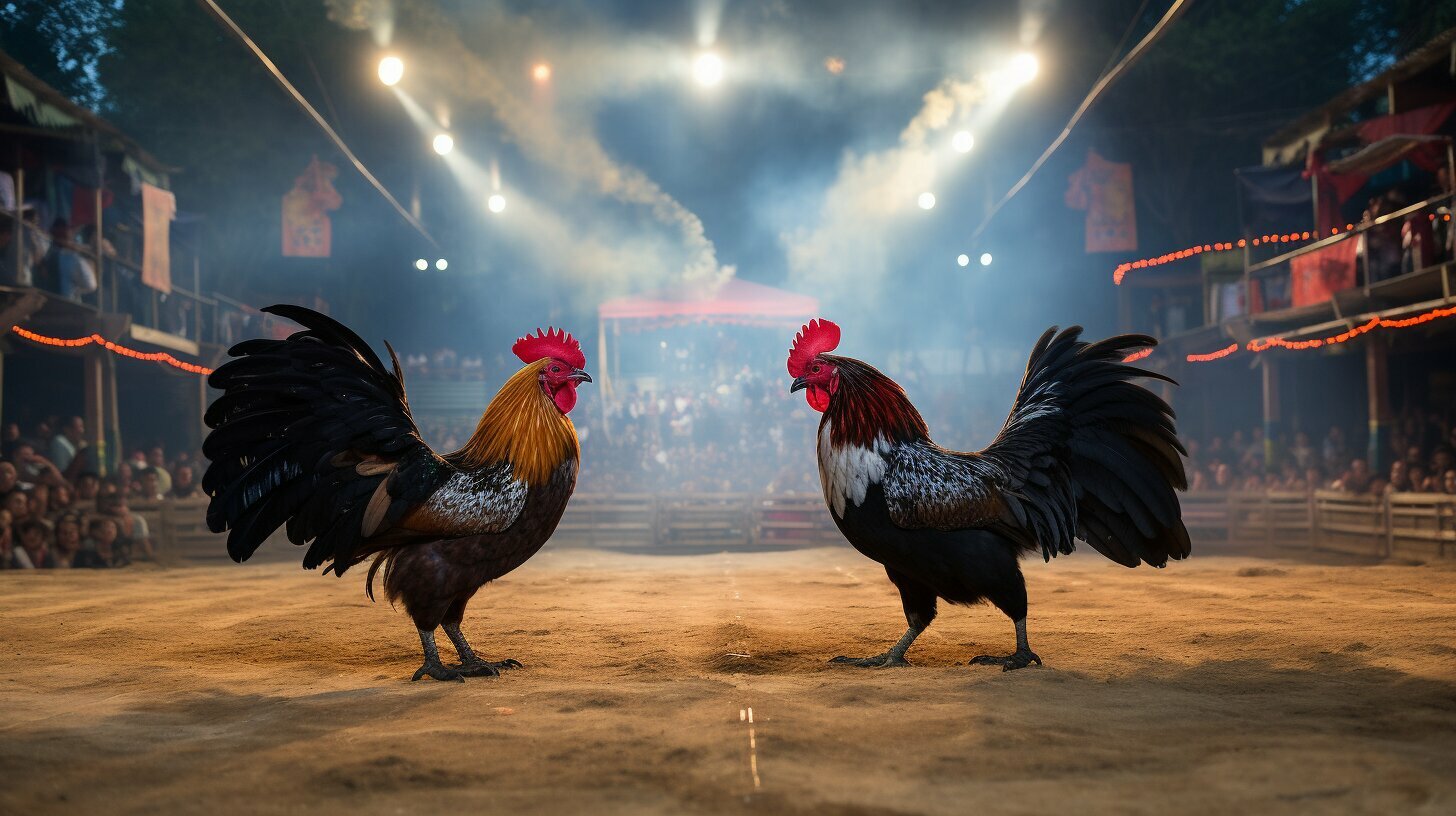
[1405,525]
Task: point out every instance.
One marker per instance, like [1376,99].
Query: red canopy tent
[734,303]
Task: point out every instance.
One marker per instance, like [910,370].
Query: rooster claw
[1019,659]
[485,668]
[883,661]
[437,671]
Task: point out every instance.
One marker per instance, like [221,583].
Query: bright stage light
[422,264]
[1023,70]
[444,143]
[541,72]
[391,70]
[963,141]
[985,259]
[963,260]
[708,69]
[442,264]
[926,200]
[495,203]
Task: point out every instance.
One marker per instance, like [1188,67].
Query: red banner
[1315,276]
[307,230]
[159,207]
[1104,190]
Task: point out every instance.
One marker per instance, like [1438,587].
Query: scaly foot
[880,661]
[438,671]
[487,668]
[1019,659]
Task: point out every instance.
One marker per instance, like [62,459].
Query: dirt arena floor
[1226,684]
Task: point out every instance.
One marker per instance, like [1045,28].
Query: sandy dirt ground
[1226,684]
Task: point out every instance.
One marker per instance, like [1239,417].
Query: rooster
[1085,453]
[313,431]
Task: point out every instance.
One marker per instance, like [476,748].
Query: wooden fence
[1405,525]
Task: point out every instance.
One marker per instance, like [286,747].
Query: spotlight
[1023,69]
[708,69]
[926,200]
[963,141]
[963,260]
[443,144]
[541,72]
[834,65]
[495,203]
[391,70]
[422,264]
[985,259]
[442,264]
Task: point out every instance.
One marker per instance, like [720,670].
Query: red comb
[814,339]
[554,343]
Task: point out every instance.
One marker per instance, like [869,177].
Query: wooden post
[1377,385]
[94,386]
[1269,370]
[96,248]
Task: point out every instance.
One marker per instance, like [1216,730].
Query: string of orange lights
[1213,355]
[1137,355]
[115,348]
[1275,238]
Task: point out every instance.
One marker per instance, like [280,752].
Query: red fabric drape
[1317,275]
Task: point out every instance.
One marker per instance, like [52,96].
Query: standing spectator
[33,467]
[184,484]
[64,270]
[1334,452]
[66,445]
[34,546]
[1303,452]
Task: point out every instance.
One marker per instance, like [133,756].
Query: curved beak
[800,383]
[579,376]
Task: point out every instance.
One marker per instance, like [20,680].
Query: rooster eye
[816,369]
[555,369]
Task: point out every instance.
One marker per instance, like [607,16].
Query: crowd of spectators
[1422,457]
[56,511]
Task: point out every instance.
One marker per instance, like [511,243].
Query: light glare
[442,264]
[444,143]
[708,69]
[495,203]
[963,260]
[963,141]
[1024,68]
[541,72]
[422,264]
[391,70]
[926,200]
[985,259]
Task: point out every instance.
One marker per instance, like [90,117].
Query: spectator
[9,438]
[104,546]
[1400,481]
[157,459]
[1333,451]
[125,479]
[64,270]
[67,444]
[151,490]
[7,541]
[1419,481]
[184,485]
[18,504]
[33,545]
[1302,452]
[131,529]
[1356,479]
[34,468]
[88,487]
[1448,482]
[68,540]
[9,477]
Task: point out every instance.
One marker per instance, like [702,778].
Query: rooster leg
[1020,659]
[895,657]
[470,664]
[433,667]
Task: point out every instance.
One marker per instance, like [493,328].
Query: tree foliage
[61,42]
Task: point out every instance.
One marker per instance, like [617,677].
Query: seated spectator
[157,459]
[68,540]
[63,499]
[1314,478]
[1302,452]
[7,541]
[1419,481]
[18,504]
[1448,482]
[88,487]
[1399,481]
[34,545]
[125,479]
[151,490]
[9,478]
[103,547]
[1356,479]
[34,468]
[184,484]
[131,529]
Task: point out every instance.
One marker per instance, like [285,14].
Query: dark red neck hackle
[817,337]
[554,343]
[870,406]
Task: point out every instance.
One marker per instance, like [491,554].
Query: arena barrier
[1404,525]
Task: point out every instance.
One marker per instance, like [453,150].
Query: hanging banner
[159,207]
[1315,276]
[307,230]
[1104,190]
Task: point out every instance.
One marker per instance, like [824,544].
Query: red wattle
[565,398]
[818,398]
